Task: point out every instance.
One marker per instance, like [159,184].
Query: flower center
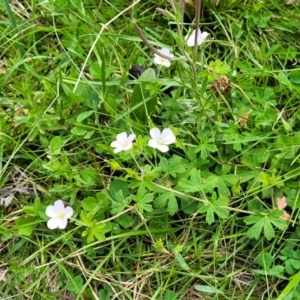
[160,142]
[124,143]
[61,215]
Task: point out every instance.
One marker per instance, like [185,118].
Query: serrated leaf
[142,200]
[223,190]
[220,212]
[119,203]
[255,230]
[210,218]
[172,204]
[210,184]
[161,200]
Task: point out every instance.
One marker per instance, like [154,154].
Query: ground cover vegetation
[149,149]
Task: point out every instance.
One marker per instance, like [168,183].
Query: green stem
[13,25]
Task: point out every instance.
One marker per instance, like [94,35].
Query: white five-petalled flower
[58,214]
[190,39]
[123,142]
[161,140]
[159,60]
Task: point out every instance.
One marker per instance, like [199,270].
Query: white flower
[161,60]
[123,142]
[190,39]
[160,140]
[59,215]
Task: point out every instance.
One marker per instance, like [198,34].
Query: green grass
[197,222]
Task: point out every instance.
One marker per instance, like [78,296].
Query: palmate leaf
[207,145]
[167,199]
[119,203]
[98,231]
[215,207]
[142,199]
[197,183]
[265,223]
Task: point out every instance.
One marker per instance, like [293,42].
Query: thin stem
[13,25]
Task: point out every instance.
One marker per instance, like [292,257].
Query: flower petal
[59,205]
[204,35]
[62,223]
[281,202]
[155,134]
[53,223]
[131,137]
[121,137]
[115,144]
[168,136]
[118,149]
[127,147]
[153,144]
[190,39]
[162,148]
[166,63]
[167,52]
[51,211]
[286,215]
[68,212]
[157,60]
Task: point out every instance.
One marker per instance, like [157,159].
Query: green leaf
[116,186]
[125,221]
[84,115]
[172,204]
[75,284]
[207,289]
[292,283]
[86,218]
[197,183]
[167,199]
[89,175]
[214,207]
[89,203]
[161,200]
[103,201]
[170,295]
[119,203]
[266,223]
[97,230]
[28,210]
[268,229]
[25,226]
[223,190]
[181,260]
[142,199]
[142,101]
[265,260]
[173,165]
[255,231]
[79,131]
[55,146]
[210,218]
